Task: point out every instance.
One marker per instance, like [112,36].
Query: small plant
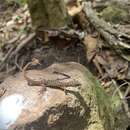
[20,2]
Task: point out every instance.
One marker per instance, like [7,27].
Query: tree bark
[48,13]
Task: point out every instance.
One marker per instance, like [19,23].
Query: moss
[114,14]
[48,14]
[109,108]
[20,2]
[102,102]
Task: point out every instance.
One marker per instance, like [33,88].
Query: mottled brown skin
[57,84]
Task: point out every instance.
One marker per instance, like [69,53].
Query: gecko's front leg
[2,91]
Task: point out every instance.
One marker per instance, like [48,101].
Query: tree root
[117,40]
[13,51]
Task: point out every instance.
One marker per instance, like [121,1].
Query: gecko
[56,83]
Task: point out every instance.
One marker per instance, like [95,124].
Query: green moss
[48,13]
[114,14]
[103,101]
[20,2]
[109,106]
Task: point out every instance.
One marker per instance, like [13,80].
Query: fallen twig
[14,50]
[125,105]
[23,43]
[15,39]
[2,64]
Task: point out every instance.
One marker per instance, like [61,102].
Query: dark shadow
[128,128]
[70,118]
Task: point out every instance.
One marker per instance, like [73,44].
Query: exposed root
[13,51]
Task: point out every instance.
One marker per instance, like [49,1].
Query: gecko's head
[35,61]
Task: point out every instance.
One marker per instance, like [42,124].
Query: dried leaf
[91,46]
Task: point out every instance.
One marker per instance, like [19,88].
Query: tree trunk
[48,13]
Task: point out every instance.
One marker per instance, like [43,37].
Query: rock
[25,107]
